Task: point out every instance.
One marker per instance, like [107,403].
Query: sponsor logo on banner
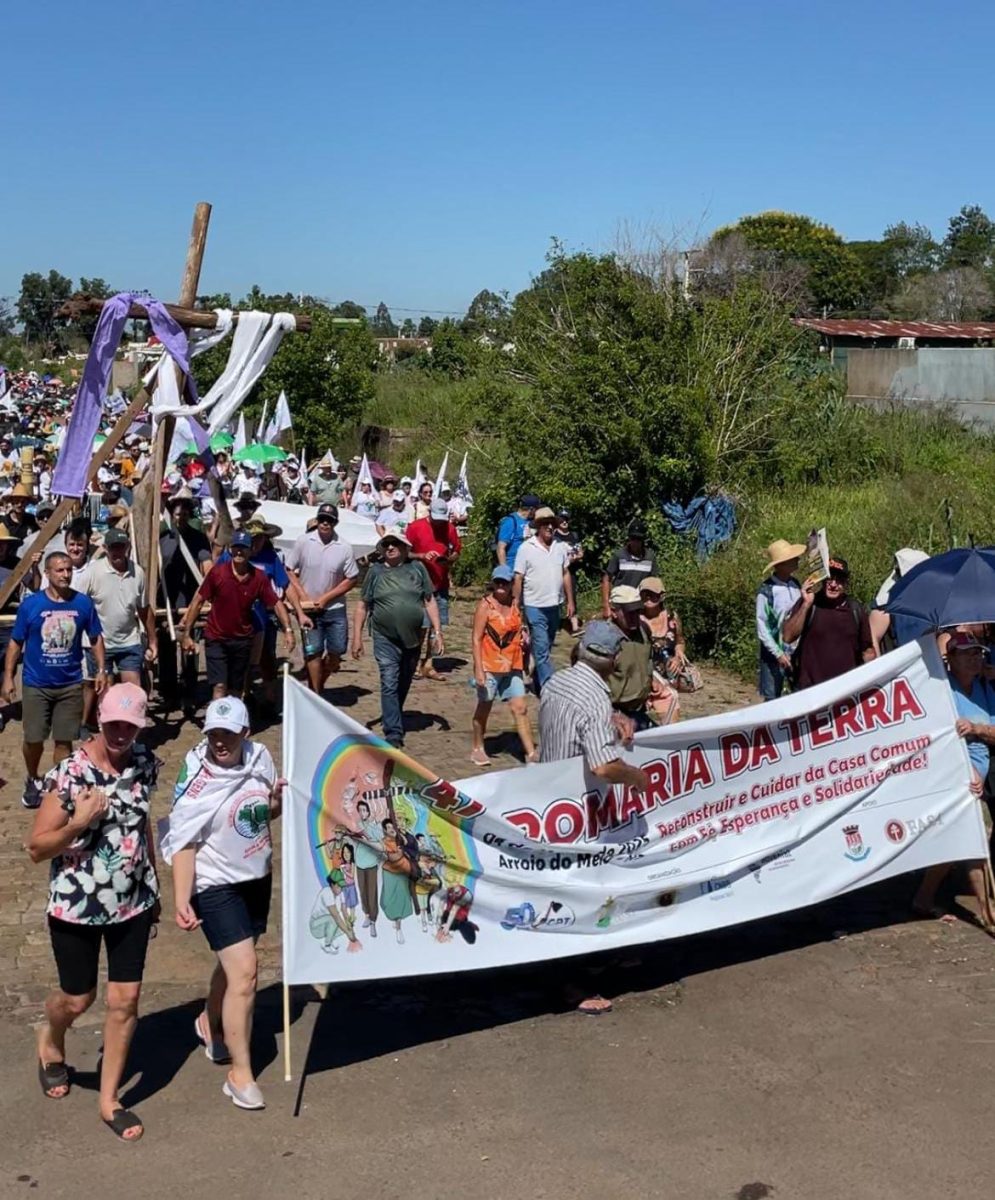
[855,850]
[717,889]
[777,860]
[555,915]
[895,831]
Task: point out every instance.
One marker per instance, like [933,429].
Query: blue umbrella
[956,588]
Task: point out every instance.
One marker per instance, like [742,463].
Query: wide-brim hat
[19,490]
[780,551]
[393,536]
[256,525]
[6,535]
[184,494]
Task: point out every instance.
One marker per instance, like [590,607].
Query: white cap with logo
[227,713]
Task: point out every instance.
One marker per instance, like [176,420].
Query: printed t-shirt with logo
[231,598]
[229,808]
[51,632]
[626,570]
[396,599]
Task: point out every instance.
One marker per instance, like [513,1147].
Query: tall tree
[382,323]
[350,309]
[488,313]
[37,306]
[427,326]
[86,325]
[6,316]
[970,240]
[407,328]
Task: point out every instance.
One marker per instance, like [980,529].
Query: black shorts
[77,951]
[227,663]
[233,912]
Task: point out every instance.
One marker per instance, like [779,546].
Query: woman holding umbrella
[974,701]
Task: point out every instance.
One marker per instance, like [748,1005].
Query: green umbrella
[222,440]
[260,453]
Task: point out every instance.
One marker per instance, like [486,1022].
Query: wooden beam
[185,315]
[65,506]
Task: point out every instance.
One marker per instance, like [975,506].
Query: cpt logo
[524,916]
[895,831]
[855,850]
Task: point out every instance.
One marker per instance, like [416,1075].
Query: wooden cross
[146,508]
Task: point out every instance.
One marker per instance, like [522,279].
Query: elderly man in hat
[776,597]
[397,594]
[436,544]
[325,570]
[631,680]
[186,560]
[19,521]
[628,566]
[542,583]
[831,628]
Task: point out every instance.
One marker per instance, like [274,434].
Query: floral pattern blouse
[106,875]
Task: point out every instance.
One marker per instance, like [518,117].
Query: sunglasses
[243,550]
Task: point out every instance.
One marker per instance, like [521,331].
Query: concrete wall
[963,378]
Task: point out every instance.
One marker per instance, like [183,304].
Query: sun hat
[6,535]
[601,638]
[542,515]
[393,536]
[183,496]
[503,572]
[438,510]
[257,525]
[124,702]
[246,499]
[626,598]
[227,713]
[652,584]
[20,491]
[905,560]
[780,551]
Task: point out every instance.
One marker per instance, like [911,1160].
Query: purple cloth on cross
[76,453]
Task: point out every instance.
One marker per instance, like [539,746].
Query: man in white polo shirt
[116,585]
[542,582]
[325,568]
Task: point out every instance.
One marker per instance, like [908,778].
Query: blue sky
[417,153]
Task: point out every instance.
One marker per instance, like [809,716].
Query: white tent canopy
[358,532]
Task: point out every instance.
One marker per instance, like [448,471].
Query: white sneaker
[250,1096]
[367,923]
[400,938]
[373,931]
[330,947]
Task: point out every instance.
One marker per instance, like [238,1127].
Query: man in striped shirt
[575,712]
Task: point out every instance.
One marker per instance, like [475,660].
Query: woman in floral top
[93,827]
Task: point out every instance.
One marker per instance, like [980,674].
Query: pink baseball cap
[124,702]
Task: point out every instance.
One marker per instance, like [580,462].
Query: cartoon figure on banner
[379,843]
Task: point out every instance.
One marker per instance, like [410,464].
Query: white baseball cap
[227,713]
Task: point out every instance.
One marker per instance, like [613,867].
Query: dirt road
[842,1052]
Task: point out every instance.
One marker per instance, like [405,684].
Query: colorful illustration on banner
[385,858]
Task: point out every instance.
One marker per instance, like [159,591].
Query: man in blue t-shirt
[49,629]
[514,529]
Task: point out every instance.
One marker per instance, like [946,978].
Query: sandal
[933,912]
[53,1075]
[594,1006]
[122,1121]
[214,1048]
[479,758]
[432,673]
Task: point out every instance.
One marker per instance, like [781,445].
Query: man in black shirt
[180,577]
[629,566]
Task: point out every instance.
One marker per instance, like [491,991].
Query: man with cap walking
[116,585]
[436,544]
[397,594]
[776,597]
[629,565]
[831,628]
[325,569]
[186,560]
[542,583]
[232,588]
[514,529]
[631,680]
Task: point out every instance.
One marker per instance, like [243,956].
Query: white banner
[389,870]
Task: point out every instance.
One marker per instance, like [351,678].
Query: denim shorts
[233,912]
[508,686]
[442,600]
[124,658]
[330,634]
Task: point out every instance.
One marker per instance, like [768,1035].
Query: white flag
[282,415]
[261,427]
[463,485]
[420,477]
[441,477]
[365,476]
[303,463]
[241,441]
[3,381]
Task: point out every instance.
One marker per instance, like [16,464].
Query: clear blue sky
[419,152]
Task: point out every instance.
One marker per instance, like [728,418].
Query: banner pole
[283,902]
[286,1032]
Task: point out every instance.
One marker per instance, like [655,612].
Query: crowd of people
[94,647]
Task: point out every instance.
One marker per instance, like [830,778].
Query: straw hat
[781,551]
[22,491]
[6,535]
[256,525]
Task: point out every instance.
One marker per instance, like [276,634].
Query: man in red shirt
[434,542]
[232,588]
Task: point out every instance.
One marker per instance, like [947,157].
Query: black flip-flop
[53,1075]
[122,1121]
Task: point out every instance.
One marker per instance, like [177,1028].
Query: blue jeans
[329,635]
[544,623]
[397,665]
[773,676]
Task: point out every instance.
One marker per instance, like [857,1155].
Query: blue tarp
[711,519]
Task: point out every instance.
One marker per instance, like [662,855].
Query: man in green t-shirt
[397,594]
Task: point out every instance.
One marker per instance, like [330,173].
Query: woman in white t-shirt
[219,846]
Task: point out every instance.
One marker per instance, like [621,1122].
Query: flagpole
[283,909]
